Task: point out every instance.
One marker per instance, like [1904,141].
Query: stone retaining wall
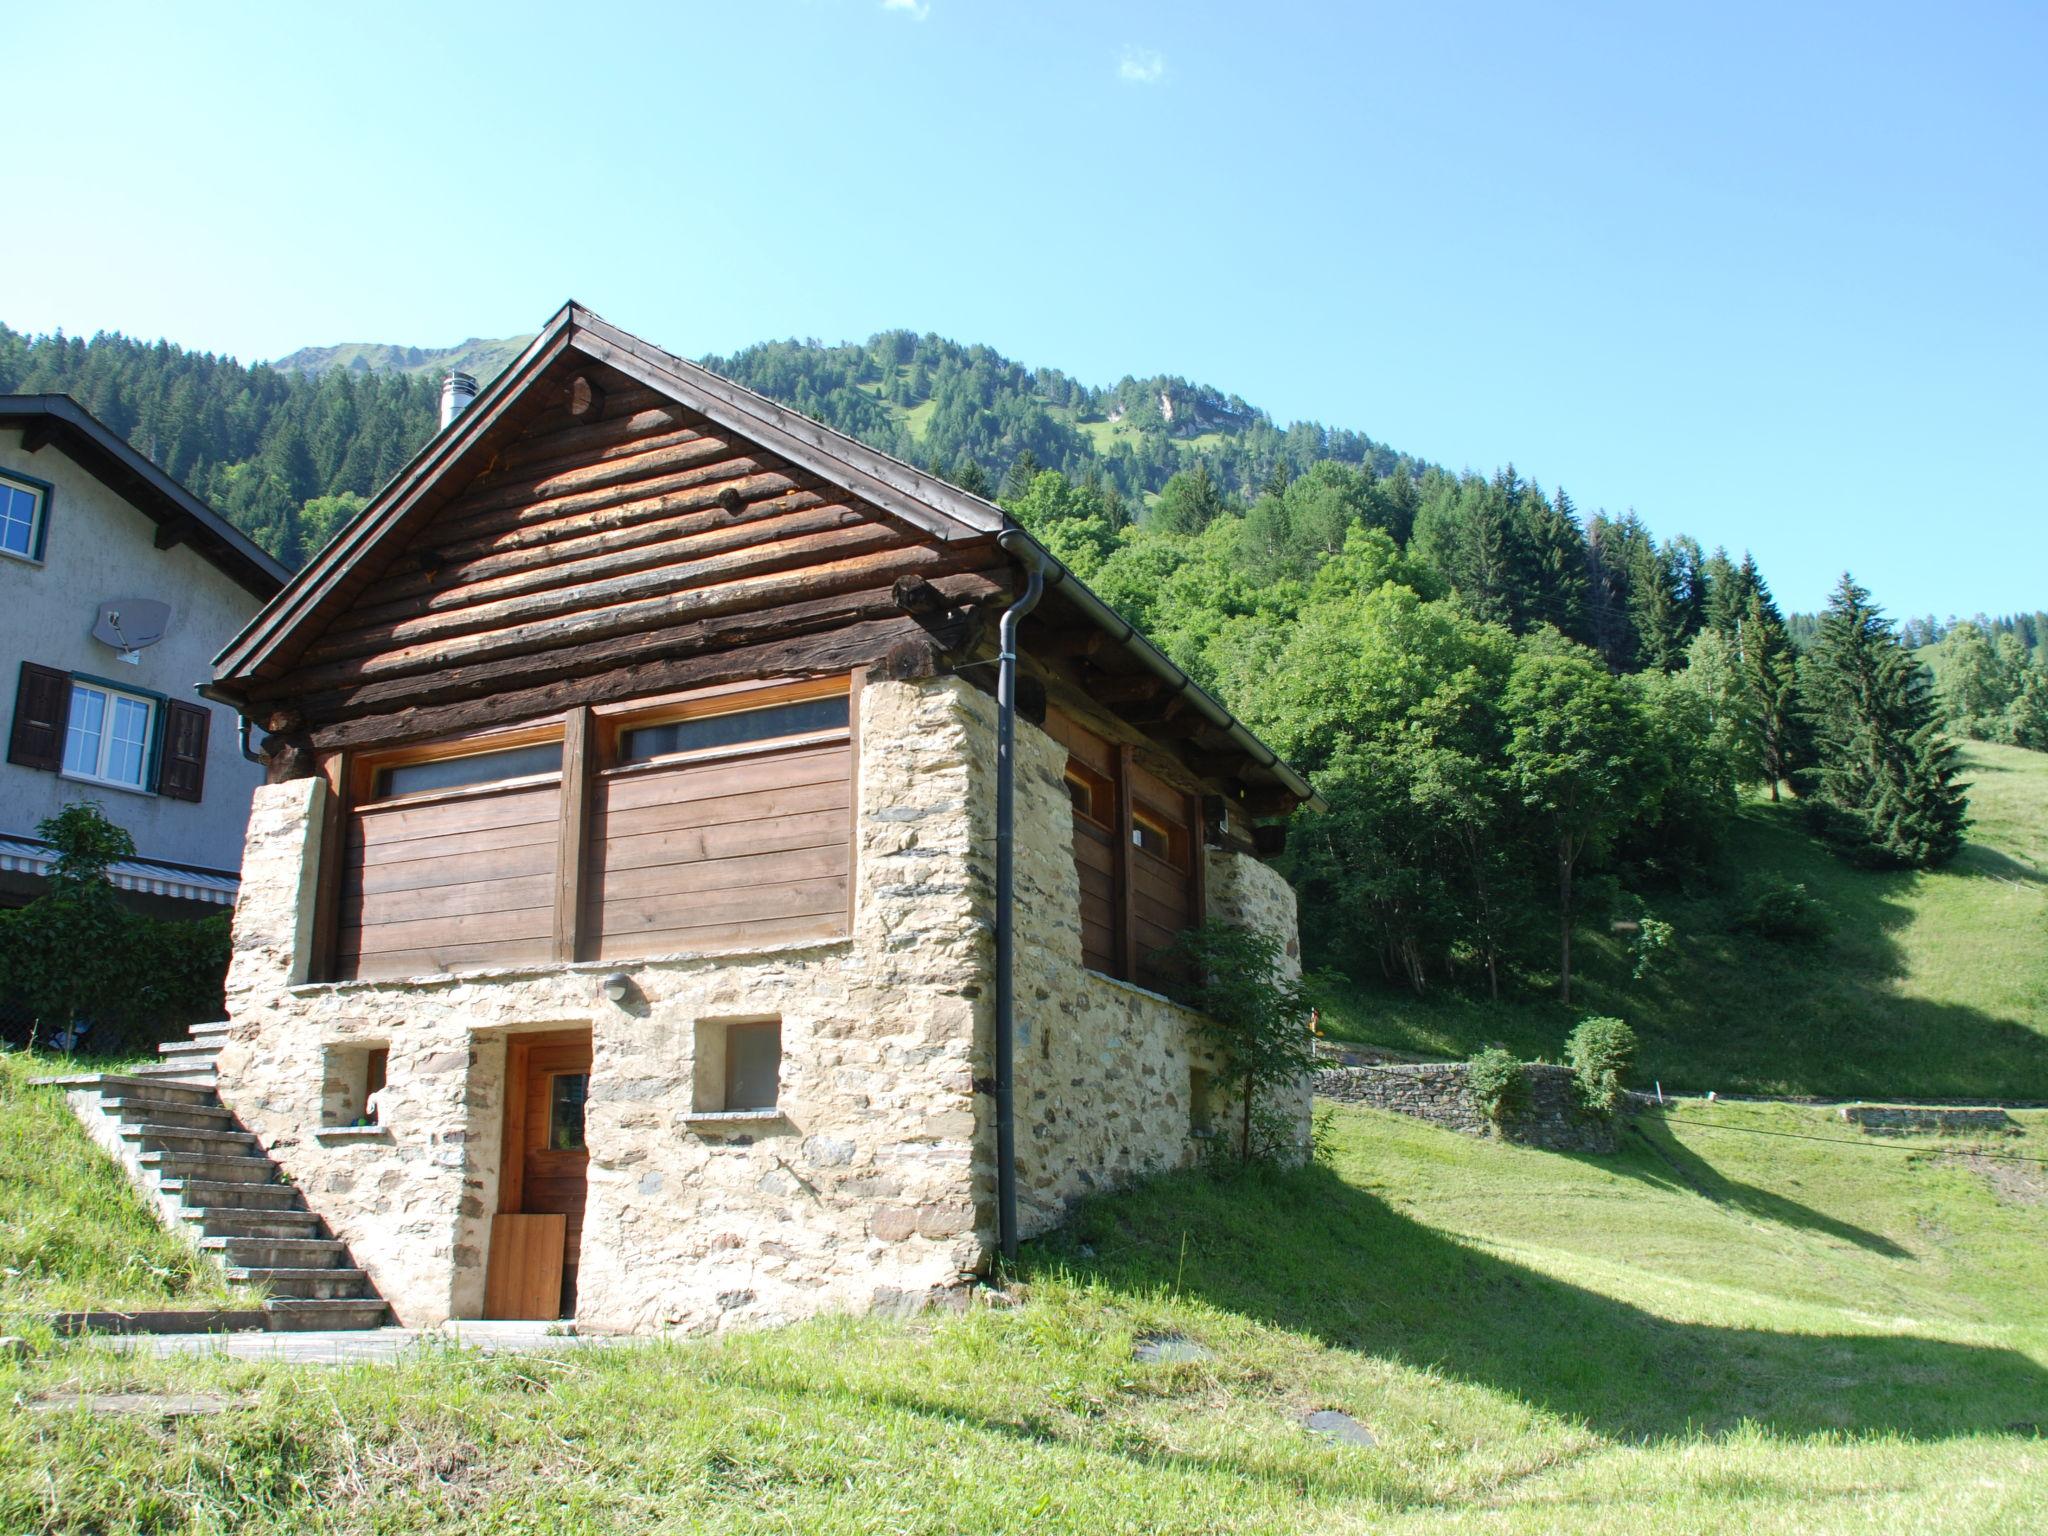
[1553,1118]
[1898,1120]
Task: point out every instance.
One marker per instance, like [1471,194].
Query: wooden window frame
[43,494]
[153,730]
[737,699]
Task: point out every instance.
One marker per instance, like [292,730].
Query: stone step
[198,1117]
[189,1050]
[214,1030]
[284,1253]
[224,1169]
[155,1137]
[229,1220]
[127,1085]
[303,1284]
[194,1074]
[295,1314]
[201,1194]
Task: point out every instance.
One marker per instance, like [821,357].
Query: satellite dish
[129,624]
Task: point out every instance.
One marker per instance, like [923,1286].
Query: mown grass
[1931,985]
[1717,1330]
[74,1233]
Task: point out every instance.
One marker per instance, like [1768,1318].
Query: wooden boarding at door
[525,1275]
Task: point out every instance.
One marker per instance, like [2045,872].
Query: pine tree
[1885,773]
[1769,686]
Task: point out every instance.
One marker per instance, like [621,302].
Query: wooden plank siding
[462,880]
[1133,901]
[722,854]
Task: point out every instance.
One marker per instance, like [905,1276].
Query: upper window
[109,735]
[734,728]
[460,772]
[22,505]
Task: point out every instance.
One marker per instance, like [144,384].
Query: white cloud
[1140,66]
[916,10]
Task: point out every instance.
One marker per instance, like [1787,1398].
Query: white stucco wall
[100,547]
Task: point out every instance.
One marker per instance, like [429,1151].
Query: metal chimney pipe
[457,390]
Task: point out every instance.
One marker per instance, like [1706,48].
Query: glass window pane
[566,1093]
[477,768]
[128,741]
[17,519]
[753,1063]
[742,726]
[82,740]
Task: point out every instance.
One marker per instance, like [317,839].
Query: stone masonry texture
[1553,1118]
[873,1188]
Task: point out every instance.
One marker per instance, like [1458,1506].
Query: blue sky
[1770,275]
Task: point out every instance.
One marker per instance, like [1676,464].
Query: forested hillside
[1527,719]
[287,457]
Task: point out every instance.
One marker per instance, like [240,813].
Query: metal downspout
[1006,879]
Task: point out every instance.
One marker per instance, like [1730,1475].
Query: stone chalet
[623,926]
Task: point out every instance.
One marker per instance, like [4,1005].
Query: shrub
[1497,1082]
[1601,1051]
[1651,945]
[1785,912]
[1256,1019]
[75,953]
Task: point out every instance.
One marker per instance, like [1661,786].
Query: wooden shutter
[184,767]
[42,709]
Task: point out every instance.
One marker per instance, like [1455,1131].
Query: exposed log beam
[806,613]
[1270,800]
[173,531]
[1134,689]
[585,397]
[854,647]
[39,434]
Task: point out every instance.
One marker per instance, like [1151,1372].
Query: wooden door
[545,1175]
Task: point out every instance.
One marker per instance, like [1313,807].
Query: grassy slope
[73,1231]
[1933,985]
[1721,1332]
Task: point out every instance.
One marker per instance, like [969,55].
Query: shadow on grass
[1675,1165]
[1309,1252]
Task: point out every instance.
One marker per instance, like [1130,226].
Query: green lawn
[1932,985]
[1717,1330]
[74,1233]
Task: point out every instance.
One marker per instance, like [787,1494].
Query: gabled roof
[181,517]
[898,490]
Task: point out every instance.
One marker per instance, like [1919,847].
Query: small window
[1091,793]
[745,727]
[567,1092]
[1157,835]
[459,772]
[352,1092]
[1201,1111]
[738,1068]
[22,503]
[109,736]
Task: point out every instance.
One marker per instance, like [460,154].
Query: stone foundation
[875,1183]
[1553,1118]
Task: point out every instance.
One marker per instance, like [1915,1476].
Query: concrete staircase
[167,1125]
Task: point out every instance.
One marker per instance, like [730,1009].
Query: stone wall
[1553,1119]
[874,1186]
[1926,1120]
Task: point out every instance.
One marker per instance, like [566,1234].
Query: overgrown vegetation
[1497,1083]
[1601,1052]
[1714,1331]
[1256,1019]
[76,956]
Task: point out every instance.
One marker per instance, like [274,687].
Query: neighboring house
[117,586]
[633,837]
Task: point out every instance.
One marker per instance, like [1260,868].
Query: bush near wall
[75,953]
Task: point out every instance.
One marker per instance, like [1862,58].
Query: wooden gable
[611,542]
